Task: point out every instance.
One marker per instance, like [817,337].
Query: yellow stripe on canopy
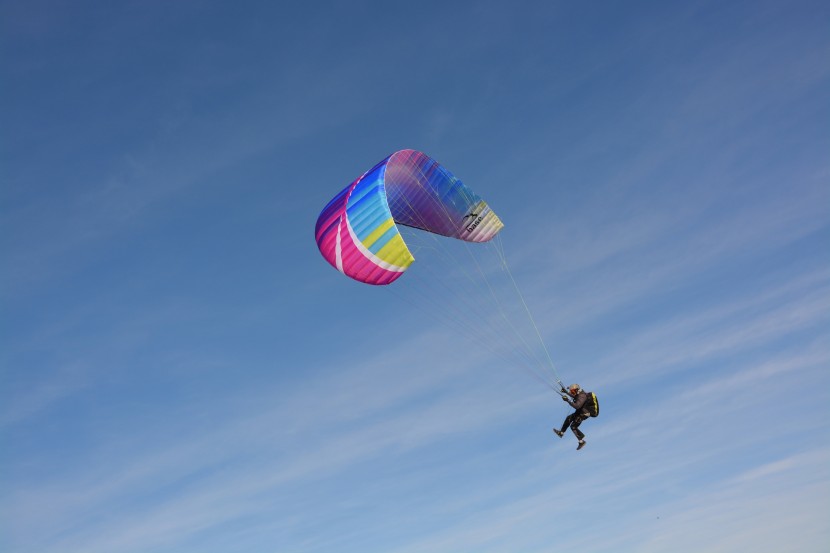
[378,232]
[396,252]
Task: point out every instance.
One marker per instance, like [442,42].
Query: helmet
[574,387]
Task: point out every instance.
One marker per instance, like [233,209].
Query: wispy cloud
[322,431]
[729,327]
[54,387]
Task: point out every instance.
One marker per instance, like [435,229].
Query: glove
[565,399]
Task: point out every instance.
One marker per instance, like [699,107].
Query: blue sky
[183,372]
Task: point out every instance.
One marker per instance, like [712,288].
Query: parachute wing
[357,231]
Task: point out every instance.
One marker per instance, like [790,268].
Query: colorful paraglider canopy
[357,231]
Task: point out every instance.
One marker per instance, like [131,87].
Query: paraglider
[585,405]
[364,232]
